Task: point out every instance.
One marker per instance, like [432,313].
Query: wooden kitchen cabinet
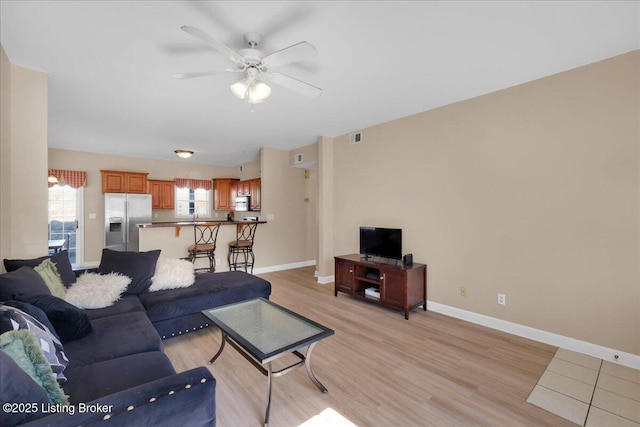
[124,182]
[224,193]
[162,194]
[244,188]
[255,202]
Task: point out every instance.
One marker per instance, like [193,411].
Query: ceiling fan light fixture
[255,90]
[258,92]
[183,154]
[240,88]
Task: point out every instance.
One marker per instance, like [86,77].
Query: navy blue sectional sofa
[120,364]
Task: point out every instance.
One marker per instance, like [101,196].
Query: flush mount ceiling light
[251,88]
[184,154]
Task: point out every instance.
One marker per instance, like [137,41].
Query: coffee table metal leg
[223,342]
[307,365]
[269,382]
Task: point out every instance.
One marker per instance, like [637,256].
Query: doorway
[65,219]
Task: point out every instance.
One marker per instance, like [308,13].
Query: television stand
[401,287]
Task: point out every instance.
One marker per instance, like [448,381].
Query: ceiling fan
[257,67]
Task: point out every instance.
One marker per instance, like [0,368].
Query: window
[65,219]
[190,202]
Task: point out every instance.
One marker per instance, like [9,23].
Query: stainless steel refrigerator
[122,215]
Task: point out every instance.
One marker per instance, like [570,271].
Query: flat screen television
[382,242]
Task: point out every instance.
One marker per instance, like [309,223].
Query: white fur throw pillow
[93,290]
[172,274]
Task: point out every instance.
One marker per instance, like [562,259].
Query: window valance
[194,184]
[74,179]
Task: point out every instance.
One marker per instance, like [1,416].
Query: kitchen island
[173,239]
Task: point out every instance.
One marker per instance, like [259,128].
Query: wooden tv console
[402,287]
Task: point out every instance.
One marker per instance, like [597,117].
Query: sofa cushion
[93,290]
[25,349]
[16,386]
[24,280]
[112,337]
[209,290]
[126,304]
[12,319]
[139,266]
[90,382]
[60,259]
[70,323]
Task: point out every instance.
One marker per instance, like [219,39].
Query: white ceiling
[109,65]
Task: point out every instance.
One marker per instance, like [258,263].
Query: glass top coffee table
[262,331]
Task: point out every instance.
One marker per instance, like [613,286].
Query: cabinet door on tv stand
[344,276]
[392,284]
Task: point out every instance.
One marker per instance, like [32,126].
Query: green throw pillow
[22,346]
[49,273]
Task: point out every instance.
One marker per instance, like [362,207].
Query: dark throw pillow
[70,322]
[34,312]
[139,266]
[60,259]
[13,320]
[23,281]
[14,264]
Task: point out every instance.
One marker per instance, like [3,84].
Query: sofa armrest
[184,399]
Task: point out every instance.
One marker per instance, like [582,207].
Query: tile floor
[589,391]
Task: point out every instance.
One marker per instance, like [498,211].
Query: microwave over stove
[242,203]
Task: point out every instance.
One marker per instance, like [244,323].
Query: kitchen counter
[174,238]
[193,223]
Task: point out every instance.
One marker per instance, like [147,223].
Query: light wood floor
[380,369]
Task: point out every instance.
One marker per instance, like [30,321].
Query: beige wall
[5,154]
[281,240]
[325,209]
[532,191]
[249,170]
[23,203]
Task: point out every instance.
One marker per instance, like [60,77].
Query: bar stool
[204,236]
[243,245]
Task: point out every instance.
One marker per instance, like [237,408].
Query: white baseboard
[325,279]
[281,267]
[605,353]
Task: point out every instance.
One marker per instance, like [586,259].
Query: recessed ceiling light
[184,154]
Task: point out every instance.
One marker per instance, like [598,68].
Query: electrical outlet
[463,291]
[502,299]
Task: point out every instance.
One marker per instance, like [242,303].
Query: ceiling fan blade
[203,73]
[295,85]
[290,54]
[219,46]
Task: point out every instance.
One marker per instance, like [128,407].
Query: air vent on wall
[355,138]
[298,158]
